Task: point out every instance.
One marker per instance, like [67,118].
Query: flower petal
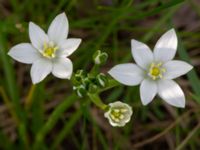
[58,30]
[171,92]
[68,46]
[63,68]
[24,53]
[40,69]
[176,68]
[37,36]
[128,74]
[166,46]
[148,90]
[142,54]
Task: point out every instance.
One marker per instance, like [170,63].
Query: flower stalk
[97,101]
[29,99]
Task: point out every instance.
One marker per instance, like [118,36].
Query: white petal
[176,68]
[62,68]
[37,36]
[171,92]
[40,69]
[58,30]
[68,46]
[142,54]
[148,90]
[128,74]
[166,46]
[24,53]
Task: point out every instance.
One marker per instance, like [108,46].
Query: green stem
[111,84]
[52,120]
[9,105]
[97,101]
[94,70]
[13,93]
[29,99]
[187,139]
[67,128]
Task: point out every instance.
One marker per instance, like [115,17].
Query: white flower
[47,52]
[118,114]
[154,71]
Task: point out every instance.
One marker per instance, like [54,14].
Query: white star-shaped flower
[47,52]
[154,71]
[118,114]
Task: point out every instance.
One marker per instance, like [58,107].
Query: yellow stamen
[123,110]
[163,69]
[156,71]
[116,110]
[117,120]
[49,50]
[117,114]
[121,116]
[112,116]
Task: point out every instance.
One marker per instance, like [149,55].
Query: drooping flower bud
[118,114]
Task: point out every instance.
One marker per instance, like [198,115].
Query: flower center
[49,50]
[156,71]
[117,114]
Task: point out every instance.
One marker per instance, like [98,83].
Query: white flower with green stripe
[48,52]
[118,114]
[154,71]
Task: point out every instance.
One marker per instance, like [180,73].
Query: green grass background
[57,118]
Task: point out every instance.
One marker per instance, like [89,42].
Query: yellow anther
[160,75]
[49,50]
[117,114]
[112,116]
[116,110]
[123,110]
[156,71]
[121,116]
[163,69]
[117,120]
[152,65]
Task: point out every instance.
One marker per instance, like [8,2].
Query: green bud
[80,90]
[102,80]
[74,81]
[78,77]
[80,74]
[100,58]
[96,55]
[92,88]
[85,82]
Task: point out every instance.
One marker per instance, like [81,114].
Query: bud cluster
[86,83]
